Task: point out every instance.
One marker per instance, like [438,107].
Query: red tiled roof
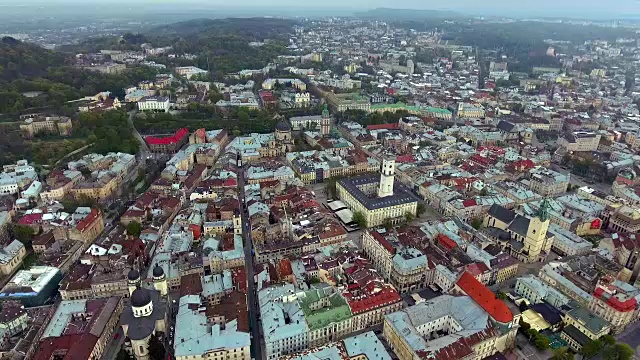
[469,202]
[88,220]
[180,133]
[386,296]
[200,133]
[239,278]
[383,126]
[376,235]
[133,213]
[484,297]
[446,242]
[477,268]
[74,347]
[230,183]
[30,219]
[405,159]
[285,267]
[622,306]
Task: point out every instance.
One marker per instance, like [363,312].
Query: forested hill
[220,45]
[23,60]
[255,29]
[25,67]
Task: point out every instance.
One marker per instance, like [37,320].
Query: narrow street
[252,301]
[144,149]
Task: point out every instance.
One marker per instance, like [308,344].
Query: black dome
[157,271]
[283,125]
[133,274]
[140,297]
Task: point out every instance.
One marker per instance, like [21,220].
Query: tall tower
[536,240]
[325,122]
[133,280]
[160,280]
[387,172]
[237,222]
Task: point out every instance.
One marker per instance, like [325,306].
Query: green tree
[23,233]
[387,224]
[123,355]
[501,295]
[476,223]
[360,219]
[524,327]
[532,333]
[562,353]
[409,217]
[619,351]
[421,208]
[134,229]
[541,342]
[156,349]
[608,340]
[591,349]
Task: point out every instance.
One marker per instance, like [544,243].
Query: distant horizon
[568,9]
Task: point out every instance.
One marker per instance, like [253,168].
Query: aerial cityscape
[185,182]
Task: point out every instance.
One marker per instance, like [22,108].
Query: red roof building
[385,297]
[31,219]
[393,126]
[170,143]
[384,242]
[484,297]
[85,223]
[83,334]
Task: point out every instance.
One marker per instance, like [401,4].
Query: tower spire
[543,211]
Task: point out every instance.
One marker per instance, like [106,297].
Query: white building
[445,327]
[536,291]
[196,338]
[190,71]
[284,327]
[154,103]
[15,178]
[302,99]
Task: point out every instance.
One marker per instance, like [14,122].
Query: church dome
[140,298]
[158,272]
[133,275]
[283,125]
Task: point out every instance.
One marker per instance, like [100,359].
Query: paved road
[252,301]
[631,336]
[114,345]
[144,149]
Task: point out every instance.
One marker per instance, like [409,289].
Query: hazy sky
[521,7]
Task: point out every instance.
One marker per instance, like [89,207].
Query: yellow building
[377,198]
[451,322]
[351,68]
[99,190]
[582,326]
[60,125]
[507,272]
[535,320]
[11,257]
[526,238]
[615,301]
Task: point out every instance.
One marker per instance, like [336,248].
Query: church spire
[543,211]
[325,111]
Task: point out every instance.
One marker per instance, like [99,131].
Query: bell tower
[387,173]
[325,122]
